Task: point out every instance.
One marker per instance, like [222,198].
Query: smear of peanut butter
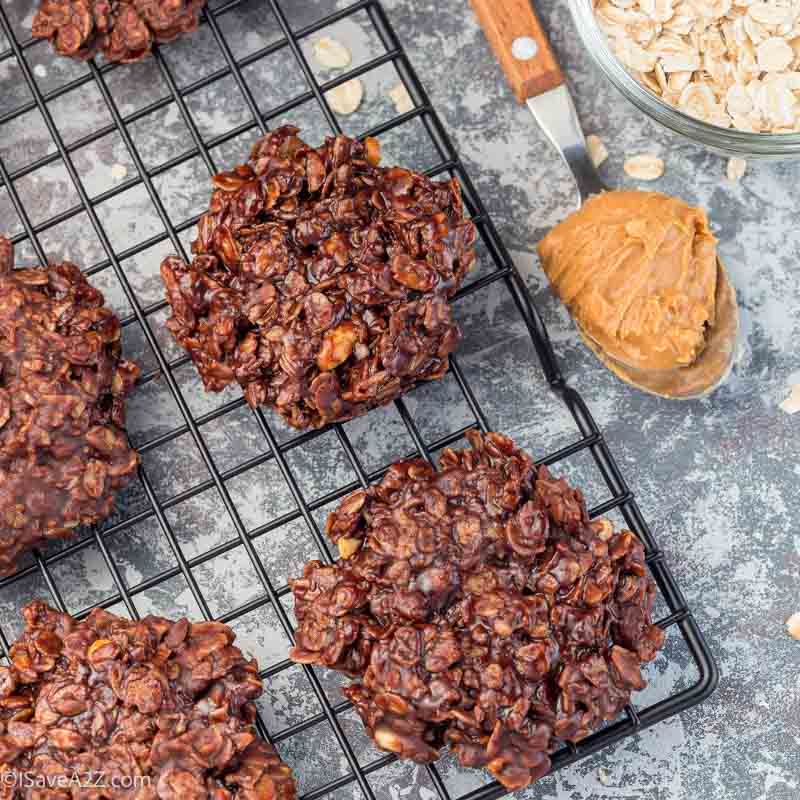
[638,271]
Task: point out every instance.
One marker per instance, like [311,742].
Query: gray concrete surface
[718,479]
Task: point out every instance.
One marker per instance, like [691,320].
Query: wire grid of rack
[502,271]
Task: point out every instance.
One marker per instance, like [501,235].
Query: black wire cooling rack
[499,272]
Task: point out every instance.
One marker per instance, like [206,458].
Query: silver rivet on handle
[524,48]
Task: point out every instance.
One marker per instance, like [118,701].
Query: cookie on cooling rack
[479,607]
[122,30]
[320,281]
[134,709]
[63,384]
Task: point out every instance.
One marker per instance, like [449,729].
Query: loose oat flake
[644,167]
[347,97]
[331,53]
[730,63]
[791,405]
[119,171]
[793,626]
[597,149]
[736,169]
[401,99]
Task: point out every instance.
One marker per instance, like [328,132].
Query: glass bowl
[725,141]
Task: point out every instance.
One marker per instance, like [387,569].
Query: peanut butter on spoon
[639,272]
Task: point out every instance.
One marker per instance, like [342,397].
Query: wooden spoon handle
[520,44]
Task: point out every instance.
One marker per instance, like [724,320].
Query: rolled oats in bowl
[732,63]
[724,73]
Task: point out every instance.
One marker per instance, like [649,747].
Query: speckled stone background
[718,479]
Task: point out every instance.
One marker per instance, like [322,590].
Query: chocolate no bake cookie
[63,450]
[158,709]
[320,280]
[122,30]
[479,607]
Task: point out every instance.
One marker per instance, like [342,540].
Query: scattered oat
[791,405]
[347,97]
[644,167]
[331,53]
[119,172]
[770,13]
[793,626]
[597,149]
[39,71]
[736,169]
[731,63]
[774,54]
[401,99]
[697,100]
[604,776]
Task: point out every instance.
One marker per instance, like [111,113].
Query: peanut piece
[348,547]
[96,645]
[337,345]
[388,740]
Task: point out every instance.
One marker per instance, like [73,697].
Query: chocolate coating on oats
[122,30]
[63,450]
[171,702]
[321,280]
[480,608]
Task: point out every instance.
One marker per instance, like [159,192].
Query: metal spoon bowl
[556,115]
[710,369]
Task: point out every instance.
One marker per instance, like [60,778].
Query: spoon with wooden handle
[530,65]
[524,52]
